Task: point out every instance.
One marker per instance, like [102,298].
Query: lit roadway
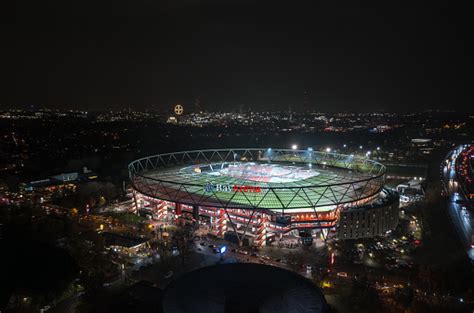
[457,204]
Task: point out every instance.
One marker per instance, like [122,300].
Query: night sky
[153,54]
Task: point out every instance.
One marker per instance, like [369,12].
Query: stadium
[258,196]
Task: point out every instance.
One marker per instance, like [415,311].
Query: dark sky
[152,54]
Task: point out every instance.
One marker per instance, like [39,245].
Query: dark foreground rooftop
[242,288]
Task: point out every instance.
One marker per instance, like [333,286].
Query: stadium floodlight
[222,249]
[328,149]
[294,147]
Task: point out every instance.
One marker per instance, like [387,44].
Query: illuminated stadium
[255,196]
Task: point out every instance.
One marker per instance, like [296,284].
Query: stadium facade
[257,196]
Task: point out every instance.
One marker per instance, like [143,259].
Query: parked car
[342,274]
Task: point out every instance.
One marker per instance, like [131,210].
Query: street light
[294,147]
[328,149]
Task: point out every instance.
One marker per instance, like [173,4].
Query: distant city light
[378,148]
[360,147]
[344,145]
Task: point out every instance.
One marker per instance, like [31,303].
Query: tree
[109,191]
[182,240]
[296,260]
[365,295]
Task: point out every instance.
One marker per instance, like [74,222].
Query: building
[259,196]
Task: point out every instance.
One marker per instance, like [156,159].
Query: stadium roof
[207,178]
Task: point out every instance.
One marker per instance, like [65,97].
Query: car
[278,260]
[212,246]
[266,257]
[233,250]
[169,274]
[202,243]
[308,268]
[215,250]
[254,254]
[199,249]
[342,274]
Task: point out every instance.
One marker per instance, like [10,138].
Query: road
[459,209]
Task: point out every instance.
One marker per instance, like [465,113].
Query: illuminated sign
[229,188]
